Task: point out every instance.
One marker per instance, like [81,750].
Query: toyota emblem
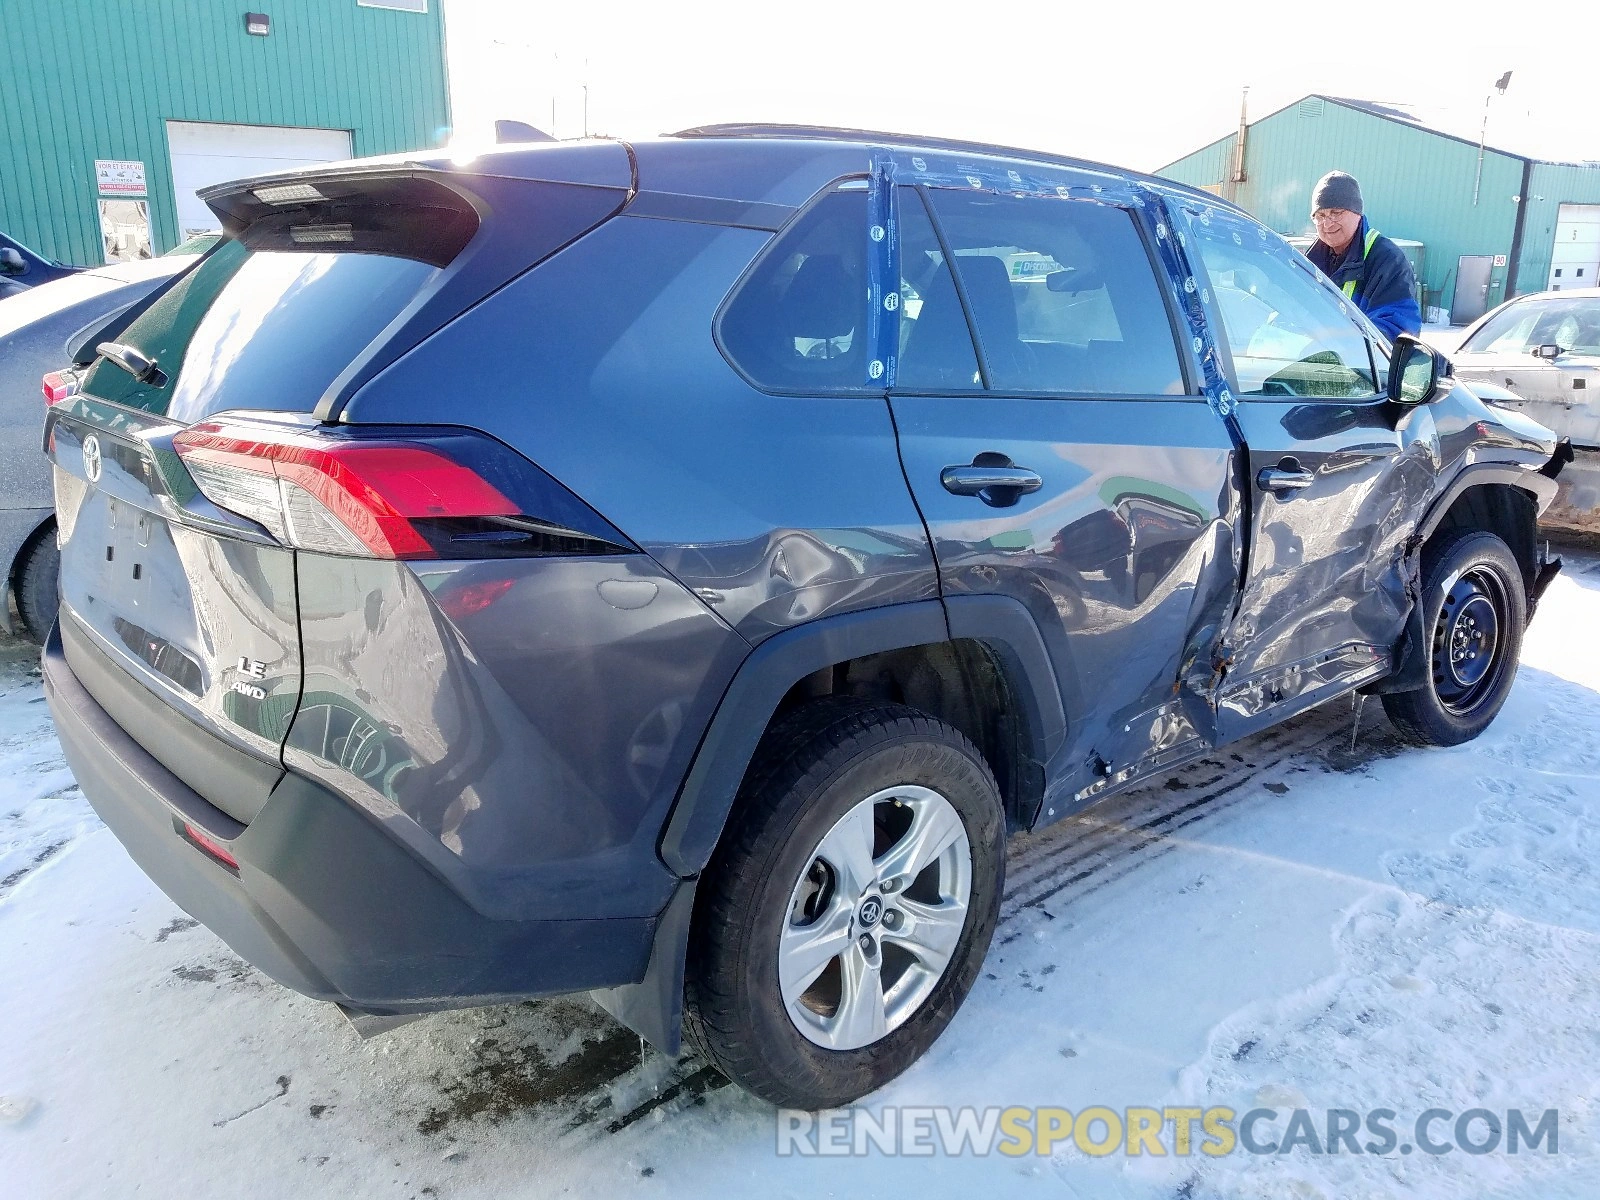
[871,909]
[91,458]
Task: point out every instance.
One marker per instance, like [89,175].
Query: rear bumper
[325,902]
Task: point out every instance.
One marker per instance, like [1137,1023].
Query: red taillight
[211,846]
[343,496]
[58,385]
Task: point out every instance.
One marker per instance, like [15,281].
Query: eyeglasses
[1329,216]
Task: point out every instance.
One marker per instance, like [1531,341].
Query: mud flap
[653,1007]
[1548,569]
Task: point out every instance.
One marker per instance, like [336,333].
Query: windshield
[1571,322]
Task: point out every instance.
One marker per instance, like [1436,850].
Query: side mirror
[1548,352]
[1413,372]
[11,263]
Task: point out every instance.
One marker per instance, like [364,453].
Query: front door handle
[993,479]
[1287,476]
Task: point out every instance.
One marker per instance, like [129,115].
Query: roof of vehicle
[1588,293]
[867,138]
[742,161]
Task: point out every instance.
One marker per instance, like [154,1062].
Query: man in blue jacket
[1363,264]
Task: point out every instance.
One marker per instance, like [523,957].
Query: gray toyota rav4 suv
[669,570]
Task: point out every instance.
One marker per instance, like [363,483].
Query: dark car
[22,268]
[586,568]
[36,327]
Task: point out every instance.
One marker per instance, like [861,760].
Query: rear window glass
[1063,294]
[276,312]
[798,322]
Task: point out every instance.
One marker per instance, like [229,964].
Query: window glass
[280,326]
[1289,335]
[1522,328]
[936,351]
[1063,294]
[798,322]
[275,313]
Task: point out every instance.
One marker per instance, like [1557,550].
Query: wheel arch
[1503,500]
[1499,498]
[947,641]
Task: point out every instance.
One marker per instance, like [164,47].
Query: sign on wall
[119,177]
[1499,260]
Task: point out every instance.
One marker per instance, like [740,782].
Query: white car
[1544,352]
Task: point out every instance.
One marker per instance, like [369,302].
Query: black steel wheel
[1475,607]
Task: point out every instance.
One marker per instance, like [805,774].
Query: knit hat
[1336,190]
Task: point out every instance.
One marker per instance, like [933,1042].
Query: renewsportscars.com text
[1158,1132]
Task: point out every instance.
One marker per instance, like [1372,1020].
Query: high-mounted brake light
[288,193]
[336,495]
[59,385]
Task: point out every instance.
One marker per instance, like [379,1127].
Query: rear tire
[1474,609]
[38,584]
[849,905]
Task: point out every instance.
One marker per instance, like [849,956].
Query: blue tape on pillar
[1172,248]
[973,172]
[883,258]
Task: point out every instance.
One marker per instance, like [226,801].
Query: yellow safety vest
[1350,287]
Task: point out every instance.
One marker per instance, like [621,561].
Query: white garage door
[204,154]
[1575,258]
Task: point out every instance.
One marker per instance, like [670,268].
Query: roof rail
[832,133]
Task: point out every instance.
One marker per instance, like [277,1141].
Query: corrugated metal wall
[1415,184]
[1549,187]
[88,79]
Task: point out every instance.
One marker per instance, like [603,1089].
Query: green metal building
[1493,224]
[115,111]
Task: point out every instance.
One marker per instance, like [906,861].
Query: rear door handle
[1287,476]
[998,486]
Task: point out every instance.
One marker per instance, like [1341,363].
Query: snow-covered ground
[1290,925]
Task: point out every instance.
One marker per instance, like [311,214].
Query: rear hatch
[190,465]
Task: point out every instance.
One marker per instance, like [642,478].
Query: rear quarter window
[797,323]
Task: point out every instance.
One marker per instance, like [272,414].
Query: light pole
[1500,85]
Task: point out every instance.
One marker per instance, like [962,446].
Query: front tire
[848,908]
[1474,610]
